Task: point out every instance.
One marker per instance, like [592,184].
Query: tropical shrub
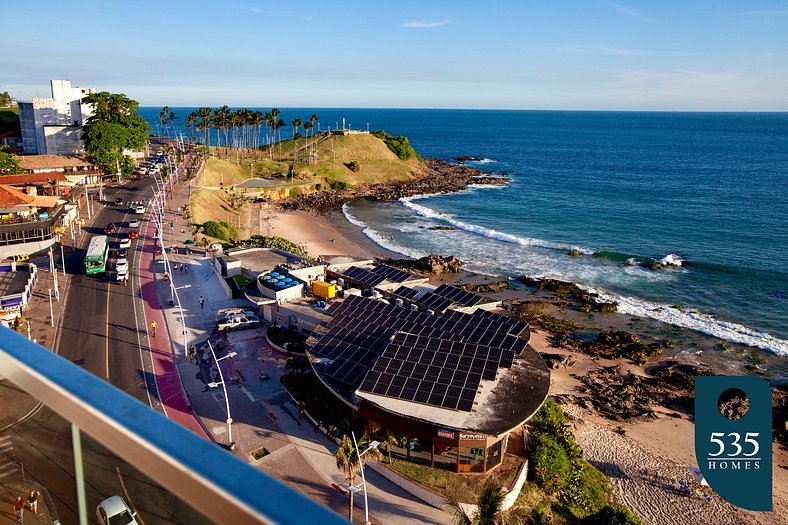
[613,515]
[399,145]
[220,230]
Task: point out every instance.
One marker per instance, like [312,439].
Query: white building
[54,125]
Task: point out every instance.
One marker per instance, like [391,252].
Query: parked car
[115,511]
[237,322]
[119,201]
[134,223]
[124,241]
[121,253]
[111,228]
[139,209]
[134,234]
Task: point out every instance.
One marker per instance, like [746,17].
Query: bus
[96,258]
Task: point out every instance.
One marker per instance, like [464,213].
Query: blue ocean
[707,191]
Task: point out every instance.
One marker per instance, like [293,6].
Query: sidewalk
[263,414]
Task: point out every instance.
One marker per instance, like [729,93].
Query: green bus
[96,258]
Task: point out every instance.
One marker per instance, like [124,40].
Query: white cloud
[423,25]
[631,12]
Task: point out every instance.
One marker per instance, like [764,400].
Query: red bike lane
[168,382]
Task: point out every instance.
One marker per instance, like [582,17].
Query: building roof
[39,162]
[10,197]
[467,371]
[33,178]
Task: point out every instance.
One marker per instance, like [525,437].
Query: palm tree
[191,121]
[347,457]
[296,125]
[488,507]
[275,120]
[307,128]
[205,123]
[312,121]
[390,441]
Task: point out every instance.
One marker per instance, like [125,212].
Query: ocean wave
[697,321]
[481,161]
[671,259]
[500,186]
[351,218]
[485,232]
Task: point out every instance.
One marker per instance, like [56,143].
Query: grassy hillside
[9,119]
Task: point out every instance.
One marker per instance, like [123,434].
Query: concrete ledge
[425,495]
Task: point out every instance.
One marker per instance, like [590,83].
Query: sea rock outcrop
[432,263]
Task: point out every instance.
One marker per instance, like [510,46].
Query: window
[471,459]
[493,455]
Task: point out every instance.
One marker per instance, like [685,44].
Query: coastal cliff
[436,176]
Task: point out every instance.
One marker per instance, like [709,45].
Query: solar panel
[405,292]
[458,295]
[392,274]
[435,302]
[364,276]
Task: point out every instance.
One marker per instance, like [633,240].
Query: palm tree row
[243,129]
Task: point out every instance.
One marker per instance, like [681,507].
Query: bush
[277,243]
[399,145]
[339,185]
[295,192]
[220,230]
[613,515]
[549,464]
[318,186]
[584,494]
[353,166]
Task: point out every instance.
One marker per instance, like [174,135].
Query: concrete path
[263,414]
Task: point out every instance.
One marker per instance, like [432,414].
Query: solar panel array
[414,356]
[405,292]
[434,301]
[376,275]
[458,295]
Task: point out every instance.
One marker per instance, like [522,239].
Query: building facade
[54,125]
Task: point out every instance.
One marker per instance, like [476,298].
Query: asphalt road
[103,331]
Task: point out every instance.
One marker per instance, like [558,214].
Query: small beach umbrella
[698,475]
[188,241]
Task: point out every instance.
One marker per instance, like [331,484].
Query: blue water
[710,188]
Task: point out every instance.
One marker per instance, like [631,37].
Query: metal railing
[211,480]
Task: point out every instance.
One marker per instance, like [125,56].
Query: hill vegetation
[9,119]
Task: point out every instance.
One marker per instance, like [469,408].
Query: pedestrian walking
[192,353]
[19,508]
[202,302]
[32,500]
[166,276]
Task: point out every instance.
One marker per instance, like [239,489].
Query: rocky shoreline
[438,176]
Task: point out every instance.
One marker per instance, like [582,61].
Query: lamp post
[372,445]
[230,442]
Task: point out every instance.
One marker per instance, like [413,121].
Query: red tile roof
[10,197]
[33,178]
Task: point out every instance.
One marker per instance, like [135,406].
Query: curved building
[449,388]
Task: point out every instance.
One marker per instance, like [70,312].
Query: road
[103,331]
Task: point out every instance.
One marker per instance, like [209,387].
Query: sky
[680,55]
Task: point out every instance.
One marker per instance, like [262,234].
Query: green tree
[347,458]
[296,126]
[5,99]
[488,507]
[8,163]
[113,127]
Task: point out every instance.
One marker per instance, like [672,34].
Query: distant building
[54,125]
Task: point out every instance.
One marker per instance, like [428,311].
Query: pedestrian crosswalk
[8,464]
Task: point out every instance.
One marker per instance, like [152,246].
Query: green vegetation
[613,515]
[8,163]
[220,230]
[353,166]
[557,467]
[339,185]
[9,119]
[277,243]
[260,453]
[5,99]
[488,507]
[113,127]
[399,145]
[295,192]
[347,459]
[241,281]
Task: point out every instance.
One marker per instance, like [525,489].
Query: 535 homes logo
[733,438]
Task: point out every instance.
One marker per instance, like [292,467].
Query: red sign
[448,434]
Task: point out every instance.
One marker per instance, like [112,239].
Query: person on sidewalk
[202,302]
[32,500]
[153,329]
[19,508]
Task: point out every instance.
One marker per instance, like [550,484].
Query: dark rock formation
[485,288]
[438,177]
[432,263]
[620,344]
[559,360]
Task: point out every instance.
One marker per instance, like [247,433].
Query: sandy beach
[641,459]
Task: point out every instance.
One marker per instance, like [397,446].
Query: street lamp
[372,445]
[230,442]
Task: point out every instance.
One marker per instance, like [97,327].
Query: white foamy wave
[481,230]
[482,161]
[698,321]
[671,259]
[390,244]
[351,218]
[500,186]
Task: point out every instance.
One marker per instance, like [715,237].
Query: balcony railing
[202,476]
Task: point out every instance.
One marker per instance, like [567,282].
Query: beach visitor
[19,508]
[32,500]
[202,302]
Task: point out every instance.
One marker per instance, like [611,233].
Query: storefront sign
[448,434]
[473,436]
